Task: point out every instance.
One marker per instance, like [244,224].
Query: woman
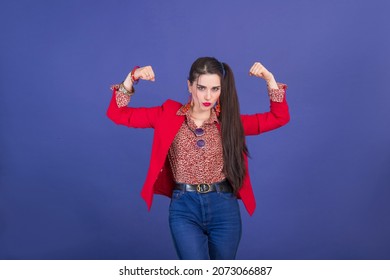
[199,155]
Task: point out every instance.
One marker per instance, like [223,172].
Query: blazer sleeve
[262,122]
[133,117]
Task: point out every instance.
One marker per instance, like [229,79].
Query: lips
[207,104]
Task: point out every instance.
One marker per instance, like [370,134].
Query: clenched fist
[258,70]
[143,73]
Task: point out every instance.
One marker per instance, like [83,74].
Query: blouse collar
[184,111]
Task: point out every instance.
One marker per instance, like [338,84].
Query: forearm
[125,90]
[276,91]
[271,82]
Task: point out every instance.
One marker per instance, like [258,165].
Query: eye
[215,89]
[201,88]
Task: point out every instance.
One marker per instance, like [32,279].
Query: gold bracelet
[125,91]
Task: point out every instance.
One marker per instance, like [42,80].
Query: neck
[202,115]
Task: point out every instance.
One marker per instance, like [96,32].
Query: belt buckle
[203,188]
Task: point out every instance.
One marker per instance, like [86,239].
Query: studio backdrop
[70,179]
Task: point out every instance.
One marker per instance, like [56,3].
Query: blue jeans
[205,226]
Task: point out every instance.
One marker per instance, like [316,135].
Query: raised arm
[278,114]
[118,111]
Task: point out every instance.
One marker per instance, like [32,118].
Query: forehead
[211,80]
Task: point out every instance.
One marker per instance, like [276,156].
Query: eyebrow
[199,85]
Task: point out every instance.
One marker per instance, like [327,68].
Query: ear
[189,85]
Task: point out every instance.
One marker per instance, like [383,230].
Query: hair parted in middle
[232,131]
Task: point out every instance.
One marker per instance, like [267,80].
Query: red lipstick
[207,104]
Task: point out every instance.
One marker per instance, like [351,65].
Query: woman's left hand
[258,70]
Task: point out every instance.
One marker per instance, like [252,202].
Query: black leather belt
[222,186]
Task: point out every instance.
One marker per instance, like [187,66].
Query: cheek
[198,96]
[195,96]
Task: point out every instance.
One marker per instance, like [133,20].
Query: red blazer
[166,124]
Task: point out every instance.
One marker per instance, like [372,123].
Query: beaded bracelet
[134,80]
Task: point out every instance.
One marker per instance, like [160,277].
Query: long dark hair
[232,131]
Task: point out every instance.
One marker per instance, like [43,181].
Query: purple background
[70,178]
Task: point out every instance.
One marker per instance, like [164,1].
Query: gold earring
[218,108]
[189,104]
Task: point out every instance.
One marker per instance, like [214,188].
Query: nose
[207,95]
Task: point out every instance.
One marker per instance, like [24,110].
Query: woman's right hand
[143,73]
